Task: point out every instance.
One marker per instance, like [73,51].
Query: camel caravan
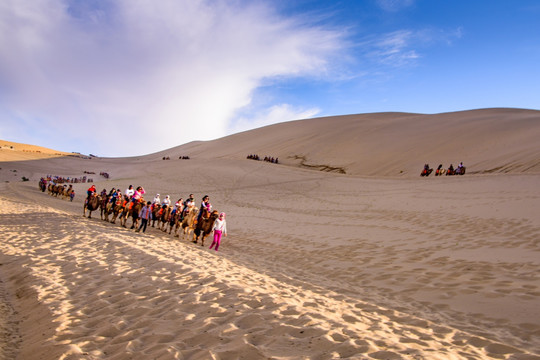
[460,170]
[58,190]
[183,219]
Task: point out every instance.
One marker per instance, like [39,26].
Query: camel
[164,217]
[42,185]
[123,215]
[51,188]
[91,204]
[204,227]
[117,209]
[56,189]
[427,170]
[456,171]
[59,190]
[132,210]
[174,221]
[105,208]
[67,192]
[188,223]
[156,208]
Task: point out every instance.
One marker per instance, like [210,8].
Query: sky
[132,77]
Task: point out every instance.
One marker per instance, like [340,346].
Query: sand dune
[317,265]
[392,144]
[12,151]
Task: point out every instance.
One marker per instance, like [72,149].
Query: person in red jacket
[91,190]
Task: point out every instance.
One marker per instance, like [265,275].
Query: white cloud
[275,114]
[404,47]
[131,77]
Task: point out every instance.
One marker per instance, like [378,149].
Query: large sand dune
[317,265]
[393,144]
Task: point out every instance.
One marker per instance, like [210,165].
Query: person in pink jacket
[220,229]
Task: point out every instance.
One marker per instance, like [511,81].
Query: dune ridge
[392,144]
[12,151]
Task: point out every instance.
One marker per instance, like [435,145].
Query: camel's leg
[202,238]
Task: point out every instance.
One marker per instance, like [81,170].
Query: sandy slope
[392,144]
[317,265]
[12,151]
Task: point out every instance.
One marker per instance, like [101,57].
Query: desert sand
[340,251]
[11,151]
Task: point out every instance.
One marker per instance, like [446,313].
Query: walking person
[145,214]
[220,229]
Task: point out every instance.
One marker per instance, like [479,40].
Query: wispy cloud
[395,48]
[404,47]
[131,76]
[394,5]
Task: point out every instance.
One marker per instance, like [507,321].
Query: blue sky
[91,76]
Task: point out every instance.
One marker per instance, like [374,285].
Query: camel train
[178,223]
[163,217]
[58,190]
[460,170]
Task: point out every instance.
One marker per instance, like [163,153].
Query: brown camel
[132,210]
[67,192]
[156,208]
[188,224]
[204,227]
[164,217]
[91,204]
[117,210]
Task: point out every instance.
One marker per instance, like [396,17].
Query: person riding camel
[91,190]
[129,191]
[188,204]
[178,206]
[138,194]
[156,200]
[166,201]
[205,206]
[112,197]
